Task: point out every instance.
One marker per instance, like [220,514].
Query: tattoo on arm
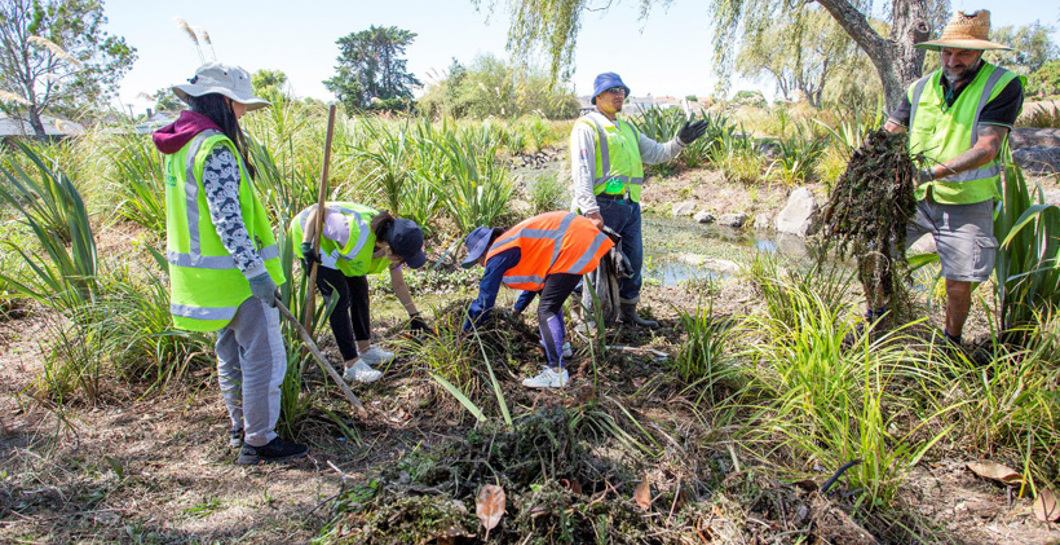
[986,148]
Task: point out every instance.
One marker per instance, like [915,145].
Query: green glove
[262,287]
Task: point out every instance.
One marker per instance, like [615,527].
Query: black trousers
[557,289]
[350,321]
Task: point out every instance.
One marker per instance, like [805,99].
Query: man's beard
[952,79]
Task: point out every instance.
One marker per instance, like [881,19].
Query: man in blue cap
[607,170]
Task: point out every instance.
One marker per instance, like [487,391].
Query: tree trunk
[36,123]
[897,62]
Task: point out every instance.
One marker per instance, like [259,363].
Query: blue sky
[669,53]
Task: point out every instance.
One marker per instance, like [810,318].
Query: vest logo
[170,180]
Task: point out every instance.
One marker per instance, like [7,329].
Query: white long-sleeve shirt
[583,159]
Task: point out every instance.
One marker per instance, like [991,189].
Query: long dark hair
[381,225]
[216,107]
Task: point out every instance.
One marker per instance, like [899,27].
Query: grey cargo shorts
[964,236]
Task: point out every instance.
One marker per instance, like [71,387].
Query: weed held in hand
[867,214]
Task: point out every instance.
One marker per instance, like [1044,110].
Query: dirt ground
[158,469]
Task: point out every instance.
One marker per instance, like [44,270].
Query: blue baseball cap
[406,240]
[606,81]
[477,242]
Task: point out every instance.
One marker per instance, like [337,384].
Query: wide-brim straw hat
[230,81]
[966,31]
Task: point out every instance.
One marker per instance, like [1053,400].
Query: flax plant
[1028,261]
[390,159]
[65,272]
[137,179]
[473,187]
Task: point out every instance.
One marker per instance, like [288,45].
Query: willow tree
[802,54]
[553,25]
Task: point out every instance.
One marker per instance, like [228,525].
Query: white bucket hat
[966,31]
[230,81]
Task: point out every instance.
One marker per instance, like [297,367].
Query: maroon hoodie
[171,138]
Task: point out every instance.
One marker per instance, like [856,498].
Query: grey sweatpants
[251,362]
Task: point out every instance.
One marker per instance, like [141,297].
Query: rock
[684,208]
[720,266]
[1038,160]
[768,149]
[762,222]
[732,220]
[1052,196]
[704,217]
[1025,137]
[797,216]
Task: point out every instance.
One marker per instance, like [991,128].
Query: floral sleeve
[220,182]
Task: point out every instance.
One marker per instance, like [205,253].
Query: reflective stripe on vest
[206,285]
[547,233]
[942,133]
[194,258]
[631,180]
[355,258]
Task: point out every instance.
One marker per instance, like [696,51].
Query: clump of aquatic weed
[867,214]
[557,490]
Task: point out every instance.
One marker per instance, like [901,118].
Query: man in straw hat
[959,117]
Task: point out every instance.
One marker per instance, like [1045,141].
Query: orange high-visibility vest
[552,243]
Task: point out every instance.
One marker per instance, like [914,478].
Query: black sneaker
[276,450]
[235,438]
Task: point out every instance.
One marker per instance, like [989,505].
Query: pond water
[679,249]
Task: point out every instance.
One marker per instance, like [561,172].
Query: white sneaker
[376,356]
[548,378]
[567,352]
[361,372]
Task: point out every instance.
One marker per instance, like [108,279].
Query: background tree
[55,55]
[800,54]
[1046,81]
[371,67]
[166,100]
[267,82]
[553,26]
[491,87]
[1031,47]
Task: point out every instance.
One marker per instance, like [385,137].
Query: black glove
[613,235]
[419,325]
[309,253]
[691,131]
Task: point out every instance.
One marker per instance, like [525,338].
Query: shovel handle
[323,361]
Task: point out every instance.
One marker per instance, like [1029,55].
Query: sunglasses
[617,91]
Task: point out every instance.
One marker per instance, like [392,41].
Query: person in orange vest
[546,255]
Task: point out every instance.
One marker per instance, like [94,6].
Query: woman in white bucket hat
[223,260]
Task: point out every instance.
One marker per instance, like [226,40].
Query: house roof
[53,126]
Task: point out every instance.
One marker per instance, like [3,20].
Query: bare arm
[986,148]
[401,289]
[310,231]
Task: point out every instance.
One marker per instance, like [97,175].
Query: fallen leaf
[489,506]
[996,472]
[643,494]
[1045,506]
